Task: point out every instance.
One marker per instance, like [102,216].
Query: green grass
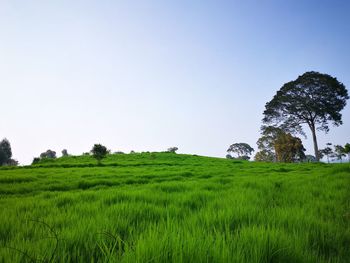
[161,207]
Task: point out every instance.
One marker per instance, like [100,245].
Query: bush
[12,162]
[48,154]
[36,160]
[64,152]
[172,149]
[99,152]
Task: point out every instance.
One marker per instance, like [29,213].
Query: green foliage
[339,152]
[288,148]
[313,98]
[277,145]
[264,156]
[5,152]
[243,150]
[266,144]
[327,151]
[99,152]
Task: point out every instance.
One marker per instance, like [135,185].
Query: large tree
[313,99]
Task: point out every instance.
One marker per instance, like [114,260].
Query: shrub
[36,160]
[172,149]
[99,152]
[48,154]
[229,156]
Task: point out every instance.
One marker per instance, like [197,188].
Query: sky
[149,75]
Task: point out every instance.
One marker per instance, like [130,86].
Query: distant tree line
[98,151]
[337,154]
[314,100]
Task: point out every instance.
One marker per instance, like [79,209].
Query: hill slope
[161,207]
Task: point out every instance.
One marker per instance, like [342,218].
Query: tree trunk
[313,131]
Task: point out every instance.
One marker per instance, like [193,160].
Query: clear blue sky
[147,75]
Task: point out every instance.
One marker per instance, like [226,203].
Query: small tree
[172,149]
[64,152]
[99,152]
[327,151]
[347,150]
[243,150]
[339,152]
[5,151]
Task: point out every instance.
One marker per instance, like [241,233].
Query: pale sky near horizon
[148,75]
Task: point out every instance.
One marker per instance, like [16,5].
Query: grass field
[162,207]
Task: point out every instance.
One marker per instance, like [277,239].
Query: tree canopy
[266,144]
[243,150]
[288,148]
[277,145]
[313,99]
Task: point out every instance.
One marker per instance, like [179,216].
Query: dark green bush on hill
[172,149]
[99,152]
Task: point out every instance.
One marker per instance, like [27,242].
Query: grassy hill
[163,207]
